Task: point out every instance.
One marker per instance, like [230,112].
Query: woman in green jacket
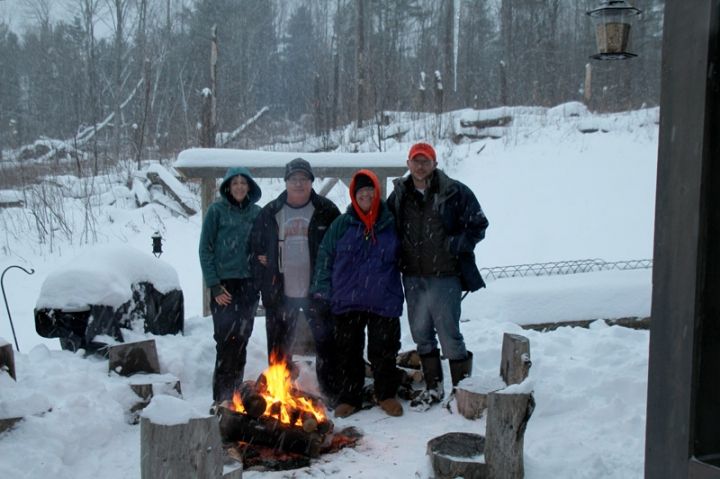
[225,261]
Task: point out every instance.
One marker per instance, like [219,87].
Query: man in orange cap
[439,222]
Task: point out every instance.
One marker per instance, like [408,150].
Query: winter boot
[392,407]
[434,392]
[461,368]
[345,410]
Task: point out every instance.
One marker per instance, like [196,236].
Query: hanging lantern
[613,20]
[157,244]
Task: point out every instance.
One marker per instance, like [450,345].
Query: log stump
[192,450]
[458,454]
[7,358]
[130,358]
[515,358]
[471,395]
[8,423]
[508,415]
[147,387]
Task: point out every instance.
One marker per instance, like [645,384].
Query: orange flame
[282,401]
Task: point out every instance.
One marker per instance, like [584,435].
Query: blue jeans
[233,326]
[434,313]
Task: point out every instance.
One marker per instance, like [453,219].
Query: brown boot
[344,410]
[392,407]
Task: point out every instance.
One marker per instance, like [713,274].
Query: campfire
[274,395]
[271,416]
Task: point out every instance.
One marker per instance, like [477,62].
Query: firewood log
[251,399]
[269,432]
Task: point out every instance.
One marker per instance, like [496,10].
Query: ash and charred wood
[268,432]
[325,427]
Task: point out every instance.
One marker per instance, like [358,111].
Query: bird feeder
[613,20]
[157,244]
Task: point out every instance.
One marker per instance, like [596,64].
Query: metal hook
[2,286]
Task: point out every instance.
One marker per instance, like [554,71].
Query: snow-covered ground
[550,192]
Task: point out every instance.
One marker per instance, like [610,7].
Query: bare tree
[120,10]
[89,11]
[360,63]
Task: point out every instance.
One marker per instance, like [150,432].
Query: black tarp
[159,313]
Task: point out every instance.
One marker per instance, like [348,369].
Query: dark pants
[233,326]
[280,322]
[383,345]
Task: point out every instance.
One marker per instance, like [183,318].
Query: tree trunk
[360,63]
[587,91]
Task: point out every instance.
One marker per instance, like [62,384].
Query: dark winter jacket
[269,279]
[357,269]
[225,238]
[463,226]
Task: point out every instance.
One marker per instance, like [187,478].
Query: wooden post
[7,358]
[508,415]
[515,359]
[207,195]
[207,140]
[182,451]
[131,358]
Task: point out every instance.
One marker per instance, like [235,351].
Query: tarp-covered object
[104,290]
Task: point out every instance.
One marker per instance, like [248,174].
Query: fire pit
[271,423]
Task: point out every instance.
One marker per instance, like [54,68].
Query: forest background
[126,79]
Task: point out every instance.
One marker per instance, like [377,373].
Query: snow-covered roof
[212,162]
[103,275]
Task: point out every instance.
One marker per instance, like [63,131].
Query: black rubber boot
[434,391]
[432,369]
[461,368]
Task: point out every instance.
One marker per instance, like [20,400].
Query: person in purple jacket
[357,272]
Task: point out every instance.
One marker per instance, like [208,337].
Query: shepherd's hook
[2,286]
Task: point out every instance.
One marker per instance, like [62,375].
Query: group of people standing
[348,273]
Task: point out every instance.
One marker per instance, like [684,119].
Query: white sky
[550,193]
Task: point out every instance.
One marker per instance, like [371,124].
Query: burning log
[310,424]
[268,431]
[253,402]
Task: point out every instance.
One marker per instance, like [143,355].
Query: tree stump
[471,395]
[7,423]
[148,387]
[130,358]
[458,454]
[7,358]
[508,415]
[182,451]
[515,358]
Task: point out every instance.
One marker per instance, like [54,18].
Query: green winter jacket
[225,237]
